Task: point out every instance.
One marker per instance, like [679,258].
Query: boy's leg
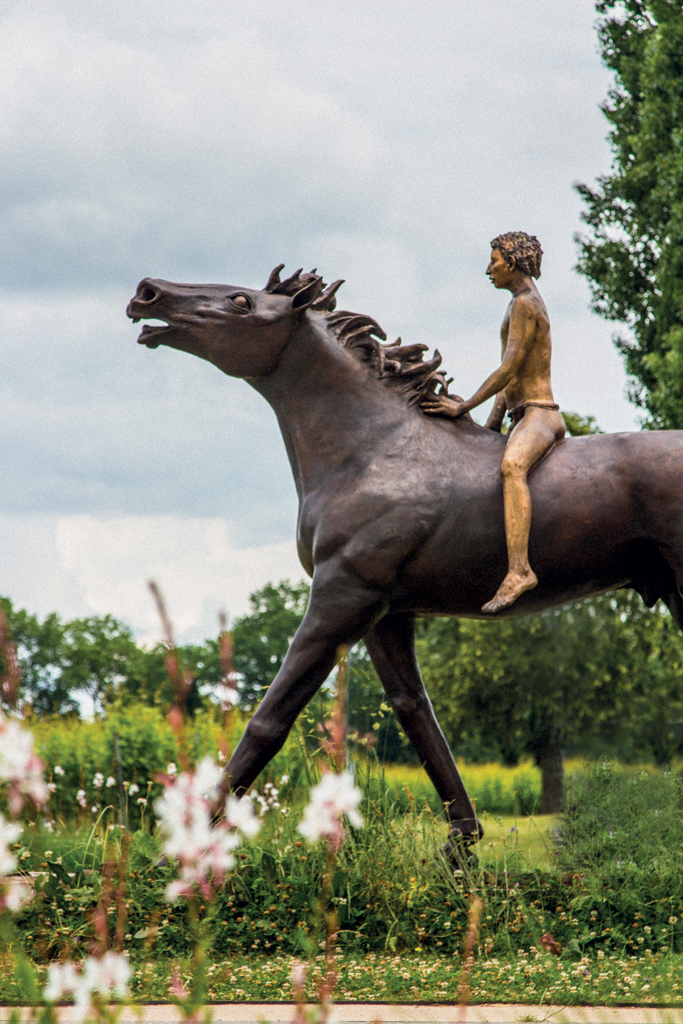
[534,435]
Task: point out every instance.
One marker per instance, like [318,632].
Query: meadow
[585,907]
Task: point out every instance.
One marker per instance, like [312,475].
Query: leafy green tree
[98,655]
[40,652]
[603,673]
[579,426]
[632,255]
[262,637]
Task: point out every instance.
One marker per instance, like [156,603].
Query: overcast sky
[383,142]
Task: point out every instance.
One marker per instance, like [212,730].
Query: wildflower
[141,800]
[51,787]
[81,798]
[105,975]
[58,770]
[672,920]
[9,833]
[334,796]
[185,819]
[20,766]
[134,788]
[172,770]
[177,987]
[16,894]
[98,781]
[240,814]
[111,781]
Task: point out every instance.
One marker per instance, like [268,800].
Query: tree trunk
[551,763]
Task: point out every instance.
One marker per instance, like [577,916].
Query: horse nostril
[147,294]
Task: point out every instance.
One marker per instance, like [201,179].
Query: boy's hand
[441,405]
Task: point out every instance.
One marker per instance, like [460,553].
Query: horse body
[402,514]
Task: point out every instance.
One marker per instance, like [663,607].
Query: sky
[382,142]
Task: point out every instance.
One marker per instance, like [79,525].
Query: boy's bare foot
[514,584]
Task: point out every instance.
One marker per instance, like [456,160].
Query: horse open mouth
[150,335]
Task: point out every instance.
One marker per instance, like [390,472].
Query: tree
[39,653]
[262,637]
[98,656]
[603,672]
[633,253]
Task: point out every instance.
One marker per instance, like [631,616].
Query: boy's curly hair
[520,250]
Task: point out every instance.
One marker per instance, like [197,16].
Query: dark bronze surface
[401,514]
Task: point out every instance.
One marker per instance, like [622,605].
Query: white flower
[17,893]
[61,981]
[111,781]
[108,975]
[185,820]
[9,833]
[81,798]
[134,789]
[19,765]
[284,780]
[334,796]
[51,787]
[172,770]
[98,781]
[141,800]
[58,770]
[240,814]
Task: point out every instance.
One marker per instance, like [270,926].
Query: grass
[525,843]
[529,977]
[607,886]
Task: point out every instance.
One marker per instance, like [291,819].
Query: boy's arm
[497,414]
[521,334]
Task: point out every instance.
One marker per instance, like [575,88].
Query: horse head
[242,331]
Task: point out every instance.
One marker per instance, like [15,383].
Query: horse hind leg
[391,646]
[656,577]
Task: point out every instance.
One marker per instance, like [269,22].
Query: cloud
[85,565]
[212,140]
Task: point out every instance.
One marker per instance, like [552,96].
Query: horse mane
[399,367]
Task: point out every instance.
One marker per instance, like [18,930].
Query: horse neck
[330,410]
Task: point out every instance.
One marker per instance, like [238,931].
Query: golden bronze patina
[522,388]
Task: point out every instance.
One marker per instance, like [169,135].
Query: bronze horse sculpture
[400,513]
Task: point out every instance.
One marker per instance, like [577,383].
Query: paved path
[359,1013]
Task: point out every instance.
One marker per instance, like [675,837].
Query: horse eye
[241,300]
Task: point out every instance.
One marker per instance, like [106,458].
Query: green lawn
[525,843]
[530,978]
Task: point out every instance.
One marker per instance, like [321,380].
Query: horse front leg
[340,610]
[391,646]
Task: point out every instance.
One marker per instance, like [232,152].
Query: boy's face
[498,270]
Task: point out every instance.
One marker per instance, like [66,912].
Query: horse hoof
[459,853]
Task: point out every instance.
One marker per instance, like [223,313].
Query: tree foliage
[606,672]
[633,252]
[261,638]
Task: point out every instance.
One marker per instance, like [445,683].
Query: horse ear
[307,295]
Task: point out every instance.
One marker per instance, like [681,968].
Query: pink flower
[334,796]
[20,766]
[12,892]
[107,975]
[203,850]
